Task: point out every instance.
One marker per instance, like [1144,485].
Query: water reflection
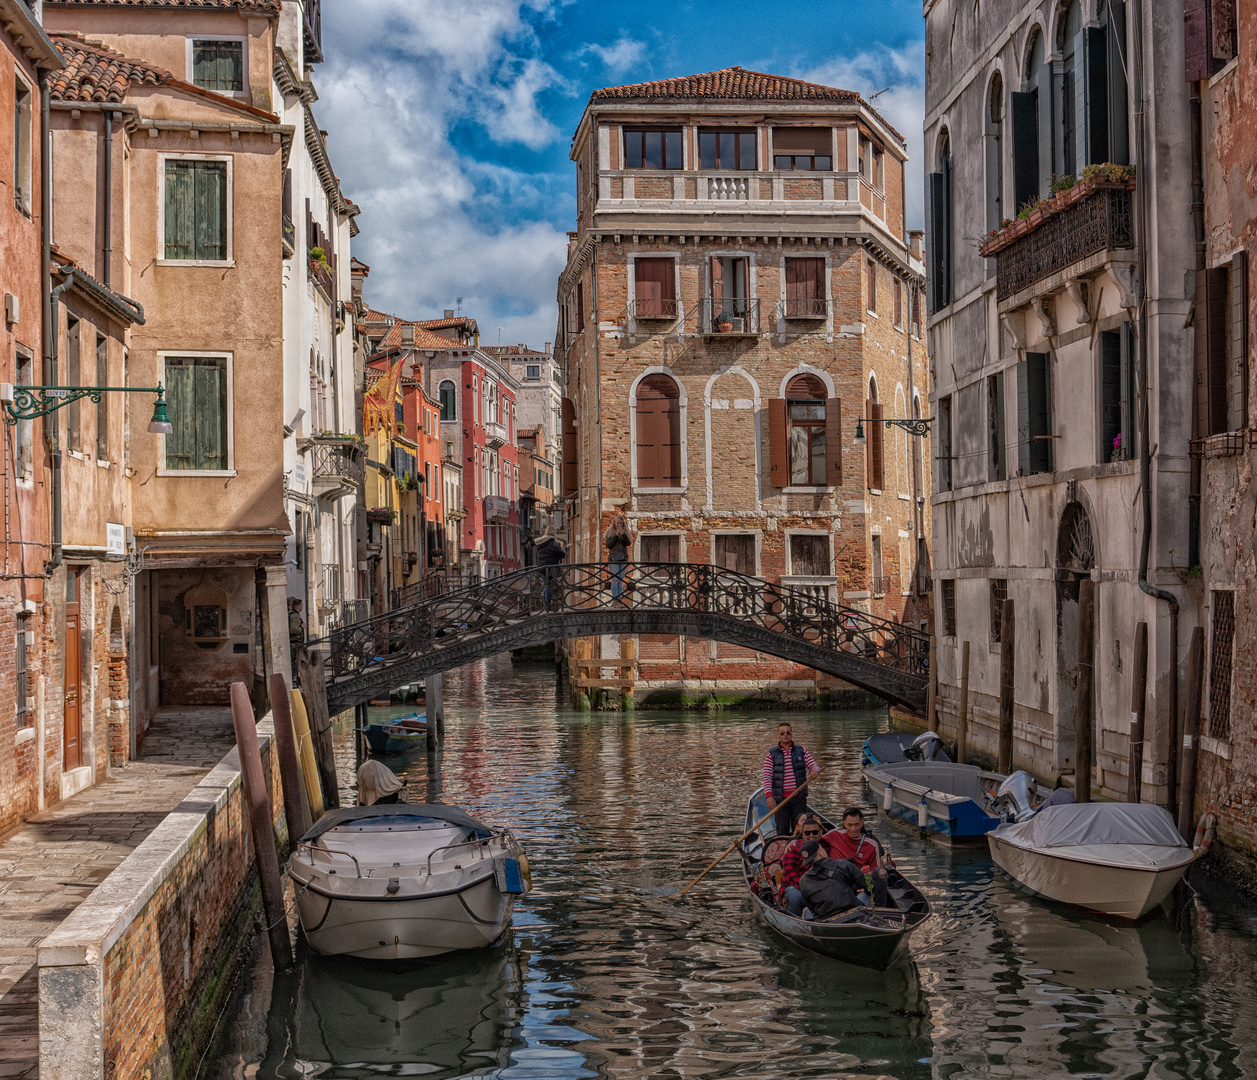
[609,975]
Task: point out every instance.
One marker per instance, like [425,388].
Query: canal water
[608,974]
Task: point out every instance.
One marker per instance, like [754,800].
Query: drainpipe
[1198,230]
[50,318]
[51,424]
[108,194]
[1145,457]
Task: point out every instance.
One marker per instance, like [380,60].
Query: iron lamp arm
[916,426]
[29,402]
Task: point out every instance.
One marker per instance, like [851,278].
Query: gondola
[398,735]
[868,937]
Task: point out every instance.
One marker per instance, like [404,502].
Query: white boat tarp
[1087,824]
[436,811]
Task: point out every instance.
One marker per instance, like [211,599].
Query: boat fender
[525,870]
[510,878]
[1204,834]
[888,797]
[923,814]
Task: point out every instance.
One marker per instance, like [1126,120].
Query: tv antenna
[874,97]
[459,301]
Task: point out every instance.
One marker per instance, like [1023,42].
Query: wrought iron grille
[804,308]
[337,459]
[739,317]
[658,308]
[999,593]
[487,607]
[1102,221]
[1221,645]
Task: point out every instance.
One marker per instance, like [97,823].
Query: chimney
[408,335]
[916,242]
[548,350]
[449,312]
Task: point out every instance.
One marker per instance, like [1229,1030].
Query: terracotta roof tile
[442,324]
[728,84]
[95,73]
[424,338]
[270,7]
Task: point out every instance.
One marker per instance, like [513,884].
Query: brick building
[740,290]
[1221,53]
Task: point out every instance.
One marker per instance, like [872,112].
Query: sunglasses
[811,832]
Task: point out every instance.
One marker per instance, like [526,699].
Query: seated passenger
[809,827]
[854,842]
[377,784]
[829,886]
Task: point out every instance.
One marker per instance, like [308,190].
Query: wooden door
[72,657]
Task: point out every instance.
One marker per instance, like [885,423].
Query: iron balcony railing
[289,235]
[732,317]
[804,308]
[339,464]
[658,309]
[1102,221]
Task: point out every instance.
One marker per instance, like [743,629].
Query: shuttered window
[938,230]
[809,555]
[1221,658]
[997,464]
[73,377]
[658,432]
[806,149]
[102,410]
[805,436]
[196,394]
[805,289]
[655,288]
[1115,349]
[570,478]
[944,444]
[449,402]
[736,552]
[195,212]
[218,65]
[1034,414]
[875,460]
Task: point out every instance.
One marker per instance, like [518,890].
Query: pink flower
[1117,441]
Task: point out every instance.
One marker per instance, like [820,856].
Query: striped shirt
[787,781]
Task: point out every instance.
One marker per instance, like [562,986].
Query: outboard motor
[1015,792]
[924,747]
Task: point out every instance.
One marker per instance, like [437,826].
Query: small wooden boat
[891,746]
[403,881]
[1118,859]
[947,801]
[868,937]
[397,735]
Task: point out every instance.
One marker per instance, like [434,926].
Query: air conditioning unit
[12,309]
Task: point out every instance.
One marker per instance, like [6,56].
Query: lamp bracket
[30,402]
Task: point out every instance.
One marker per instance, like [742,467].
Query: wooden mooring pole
[962,719]
[1191,734]
[435,704]
[1138,706]
[931,697]
[259,809]
[1084,712]
[286,754]
[1007,683]
[315,692]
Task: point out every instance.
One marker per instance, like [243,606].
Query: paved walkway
[53,862]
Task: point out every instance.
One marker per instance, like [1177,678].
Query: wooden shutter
[877,444]
[934,237]
[833,442]
[811,140]
[658,433]
[736,552]
[1239,342]
[670,445]
[1023,419]
[1196,40]
[778,457]
[1223,30]
[1210,325]
[717,282]
[571,479]
[1095,41]
[654,280]
[1025,115]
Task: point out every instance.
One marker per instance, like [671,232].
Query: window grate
[999,593]
[1220,649]
[949,607]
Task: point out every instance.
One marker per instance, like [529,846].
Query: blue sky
[449,122]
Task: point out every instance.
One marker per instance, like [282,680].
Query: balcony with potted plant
[338,463]
[730,317]
[321,272]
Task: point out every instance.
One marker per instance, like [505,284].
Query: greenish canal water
[607,974]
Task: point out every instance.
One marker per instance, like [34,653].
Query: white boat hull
[1126,892]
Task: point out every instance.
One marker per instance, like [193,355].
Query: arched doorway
[1075,559]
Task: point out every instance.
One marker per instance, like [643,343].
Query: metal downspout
[1145,456]
[108,212]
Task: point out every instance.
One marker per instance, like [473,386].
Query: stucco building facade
[740,290]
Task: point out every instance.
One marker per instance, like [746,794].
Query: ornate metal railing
[659,308]
[804,308]
[500,603]
[338,462]
[733,317]
[1102,221]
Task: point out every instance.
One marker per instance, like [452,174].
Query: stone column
[275,624]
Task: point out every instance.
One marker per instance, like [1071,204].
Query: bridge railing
[492,605]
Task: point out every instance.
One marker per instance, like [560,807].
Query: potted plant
[724,322]
[1119,449]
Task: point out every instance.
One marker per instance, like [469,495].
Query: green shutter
[1023,419]
[181,406]
[180,209]
[211,414]
[211,210]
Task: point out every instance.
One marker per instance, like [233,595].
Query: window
[726,150]
[805,289]
[874,432]
[997,468]
[809,555]
[658,408]
[661,548]
[918,453]
[898,304]
[730,281]
[207,625]
[994,159]
[24,717]
[1117,393]
[949,607]
[999,593]
[916,312]
[652,149]
[198,397]
[872,163]
[805,149]
[878,583]
[805,412]
[1068,44]
[938,227]
[736,552]
[1221,648]
[1034,414]
[73,377]
[944,444]
[196,223]
[218,64]
[576,308]
[871,282]
[1220,325]
[532,371]
[25,428]
[654,288]
[1032,129]
[22,120]
[102,410]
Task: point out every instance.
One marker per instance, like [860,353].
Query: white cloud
[621,56]
[401,82]
[897,76]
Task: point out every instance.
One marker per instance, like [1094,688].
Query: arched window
[1031,128]
[449,408]
[875,457]
[805,417]
[658,432]
[918,476]
[995,157]
[1073,122]
[938,216]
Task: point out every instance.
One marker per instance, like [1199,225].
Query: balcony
[804,309]
[339,466]
[497,508]
[494,434]
[654,310]
[321,275]
[730,318]
[288,233]
[1077,224]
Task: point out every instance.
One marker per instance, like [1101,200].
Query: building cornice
[18,22]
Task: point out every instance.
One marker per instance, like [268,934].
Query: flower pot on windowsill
[723,327]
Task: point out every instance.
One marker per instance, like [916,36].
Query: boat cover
[452,814]
[1088,824]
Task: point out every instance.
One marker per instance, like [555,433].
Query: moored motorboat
[397,734]
[948,801]
[891,746]
[868,937]
[401,882]
[1119,859]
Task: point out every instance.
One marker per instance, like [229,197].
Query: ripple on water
[608,974]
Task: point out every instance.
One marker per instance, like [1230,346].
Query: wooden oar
[738,842]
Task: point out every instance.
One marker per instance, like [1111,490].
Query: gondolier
[786,766]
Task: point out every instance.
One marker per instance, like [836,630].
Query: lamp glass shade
[859,439]
[160,423]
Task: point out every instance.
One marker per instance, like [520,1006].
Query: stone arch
[1036,28]
[807,369]
[1075,540]
[902,455]
[732,421]
[117,644]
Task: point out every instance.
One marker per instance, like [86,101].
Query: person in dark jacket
[618,540]
[830,886]
[549,552]
[786,766]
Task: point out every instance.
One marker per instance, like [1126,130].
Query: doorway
[72,660]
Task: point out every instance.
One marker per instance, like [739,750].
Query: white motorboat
[1118,859]
[402,882]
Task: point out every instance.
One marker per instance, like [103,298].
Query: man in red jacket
[853,842]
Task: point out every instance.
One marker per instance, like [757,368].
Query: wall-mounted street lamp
[919,426]
[28,402]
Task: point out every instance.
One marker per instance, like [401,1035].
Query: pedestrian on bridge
[549,552]
[618,540]
[786,767]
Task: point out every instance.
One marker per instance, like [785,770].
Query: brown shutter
[1210,349]
[670,442]
[654,280]
[877,444]
[717,281]
[571,480]
[778,459]
[812,140]
[647,438]
[833,442]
